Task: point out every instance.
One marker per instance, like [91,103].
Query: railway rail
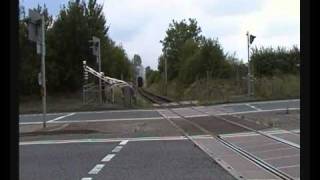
[153,97]
[228,121]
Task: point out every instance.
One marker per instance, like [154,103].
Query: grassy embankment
[223,90]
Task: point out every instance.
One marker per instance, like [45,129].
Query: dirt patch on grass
[116,129]
[279,119]
[72,103]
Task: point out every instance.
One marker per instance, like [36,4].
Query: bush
[284,86]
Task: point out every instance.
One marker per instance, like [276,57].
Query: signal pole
[96,51]
[249,73]
[43,67]
[250,39]
[36,33]
[166,75]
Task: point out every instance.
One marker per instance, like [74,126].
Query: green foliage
[67,46]
[270,61]
[177,34]
[152,76]
[191,56]
[198,68]
[281,86]
[29,62]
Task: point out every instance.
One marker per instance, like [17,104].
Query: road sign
[34,26]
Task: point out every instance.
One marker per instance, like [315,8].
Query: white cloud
[139,25]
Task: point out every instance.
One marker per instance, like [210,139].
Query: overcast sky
[139,25]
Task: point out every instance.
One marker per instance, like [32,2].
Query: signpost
[36,33]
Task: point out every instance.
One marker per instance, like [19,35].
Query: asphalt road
[174,159]
[154,114]
[161,159]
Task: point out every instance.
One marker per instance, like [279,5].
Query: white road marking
[106,120]
[61,117]
[163,114]
[198,115]
[117,149]
[284,167]
[108,158]
[283,140]
[141,110]
[167,138]
[269,132]
[30,123]
[280,157]
[296,131]
[115,111]
[124,142]
[88,112]
[258,102]
[160,112]
[238,134]
[248,112]
[253,107]
[95,120]
[282,131]
[49,114]
[275,149]
[86,178]
[96,169]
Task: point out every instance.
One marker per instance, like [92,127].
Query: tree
[68,46]
[270,61]
[152,76]
[208,58]
[177,34]
[148,71]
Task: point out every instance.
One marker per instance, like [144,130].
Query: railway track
[229,121]
[156,99]
[186,125]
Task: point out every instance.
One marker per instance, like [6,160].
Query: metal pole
[252,78]
[100,88]
[249,73]
[207,85]
[44,101]
[85,77]
[166,76]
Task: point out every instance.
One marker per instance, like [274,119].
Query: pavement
[149,143]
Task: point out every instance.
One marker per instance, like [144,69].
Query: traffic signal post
[36,33]
[96,52]
[250,39]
